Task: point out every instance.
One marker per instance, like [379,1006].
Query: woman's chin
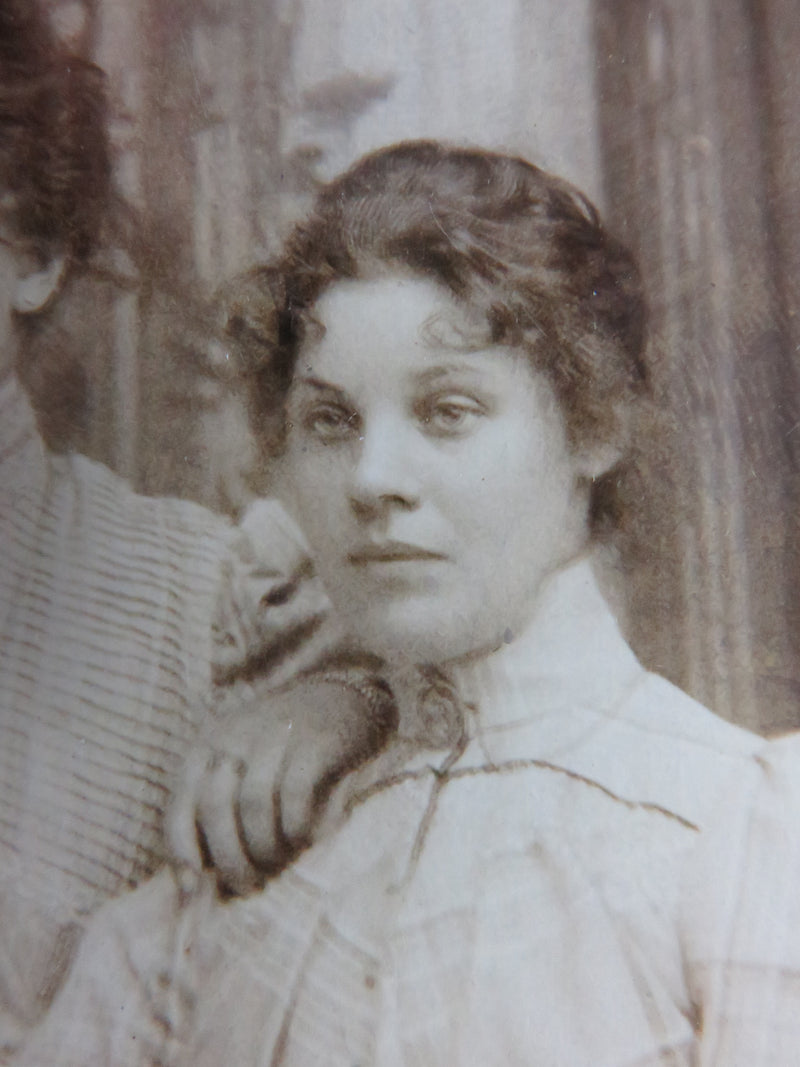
[413,638]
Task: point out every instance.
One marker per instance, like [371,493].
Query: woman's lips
[390,552]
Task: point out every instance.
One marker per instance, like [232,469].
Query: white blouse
[517,898]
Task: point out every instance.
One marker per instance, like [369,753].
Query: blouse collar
[570,656]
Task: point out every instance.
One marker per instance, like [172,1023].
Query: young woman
[457,345]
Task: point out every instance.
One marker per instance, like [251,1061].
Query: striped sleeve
[106,599]
[23,463]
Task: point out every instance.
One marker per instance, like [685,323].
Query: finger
[180,820]
[266,615]
[317,644]
[308,777]
[260,815]
[288,604]
[218,821]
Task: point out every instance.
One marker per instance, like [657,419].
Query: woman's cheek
[319,490]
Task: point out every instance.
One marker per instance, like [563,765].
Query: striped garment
[105,606]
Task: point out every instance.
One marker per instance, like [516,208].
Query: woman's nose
[386,472]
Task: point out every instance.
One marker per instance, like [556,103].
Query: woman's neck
[433,698]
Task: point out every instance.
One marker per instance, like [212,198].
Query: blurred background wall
[676,116]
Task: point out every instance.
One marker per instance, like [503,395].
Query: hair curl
[55,167]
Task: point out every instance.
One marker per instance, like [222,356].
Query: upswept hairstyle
[518,245]
[55,166]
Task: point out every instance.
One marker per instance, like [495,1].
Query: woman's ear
[595,461]
[36,285]
[597,458]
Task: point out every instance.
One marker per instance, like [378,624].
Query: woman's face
[433,480]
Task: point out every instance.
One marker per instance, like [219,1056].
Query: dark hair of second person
[55,165]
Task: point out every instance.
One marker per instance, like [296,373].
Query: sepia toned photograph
[399,552]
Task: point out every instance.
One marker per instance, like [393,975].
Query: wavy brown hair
[523,248]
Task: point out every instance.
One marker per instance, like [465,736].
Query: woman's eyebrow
[445,370]
[318,383]
[321,386]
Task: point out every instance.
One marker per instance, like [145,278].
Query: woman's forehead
[393,333]
[374,360]
[394,313]
[391,296]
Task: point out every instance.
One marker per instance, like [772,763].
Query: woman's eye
[330,422]
[452,415]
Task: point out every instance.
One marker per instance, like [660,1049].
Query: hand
[253,791]
[269,603]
